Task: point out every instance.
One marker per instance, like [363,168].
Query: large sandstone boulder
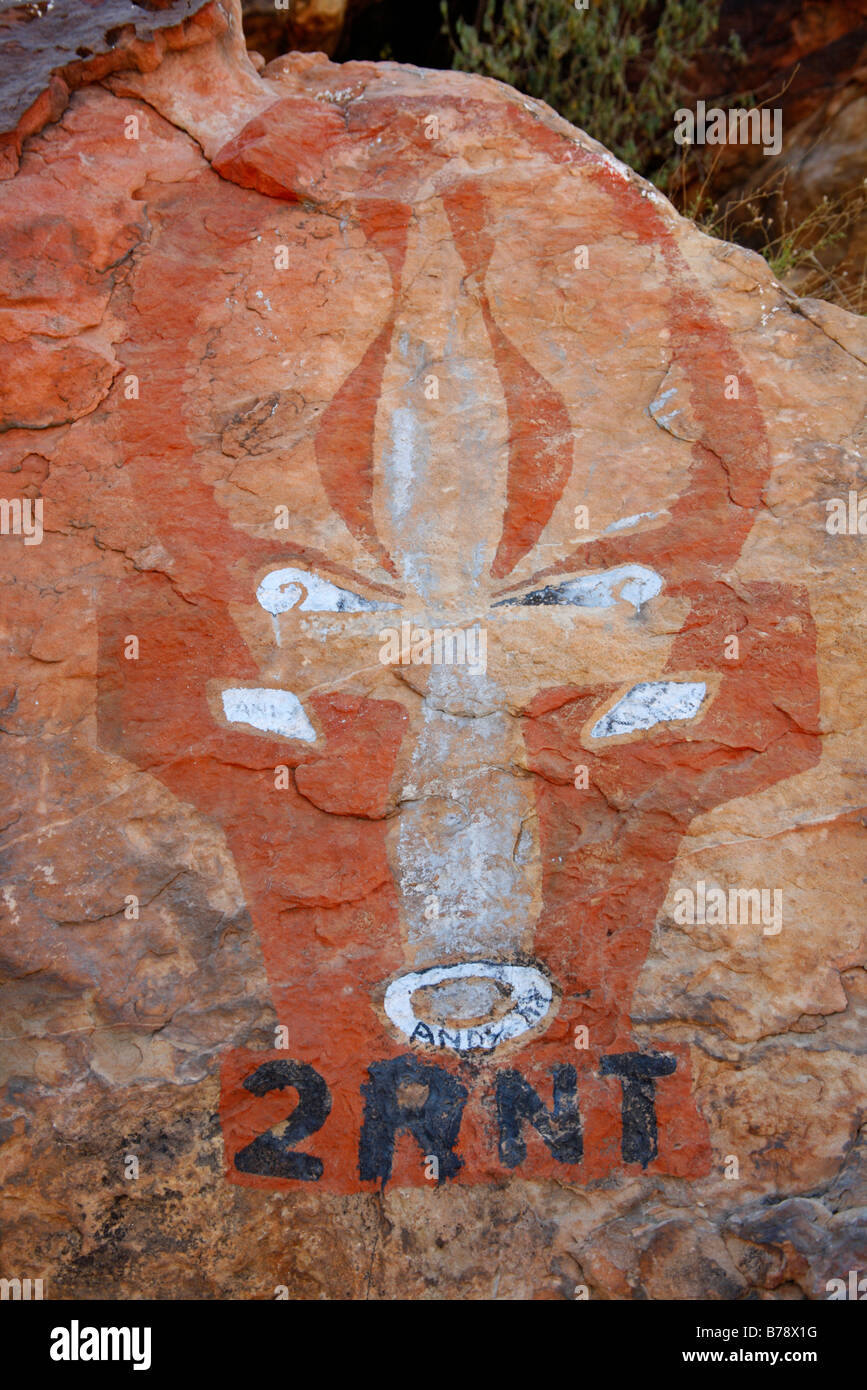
[434,840]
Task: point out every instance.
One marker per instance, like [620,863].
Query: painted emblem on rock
[455,761]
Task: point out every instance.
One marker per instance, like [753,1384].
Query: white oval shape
[634,584]
[626,521]
[272,711]
[280,590]
[649,703]
[531,991]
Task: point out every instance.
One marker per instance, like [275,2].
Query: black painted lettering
[559,1127]
[271,1154]
[637,1073]
[418,1098]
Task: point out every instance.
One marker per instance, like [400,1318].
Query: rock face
[49,48]
[309,26]
[434,841]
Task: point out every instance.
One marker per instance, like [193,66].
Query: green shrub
[618,69]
